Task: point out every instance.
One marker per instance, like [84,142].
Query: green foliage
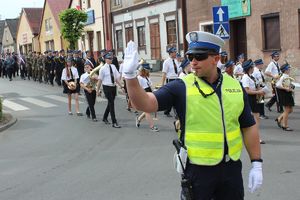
[72,24]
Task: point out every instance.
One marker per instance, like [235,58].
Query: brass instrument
[259,97]
[72,85]
[287,83]
[93,82]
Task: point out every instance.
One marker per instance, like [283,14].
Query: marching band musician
[274,72]
[222,61]
[251,88]
[260,78]
[88,84]
[109,77]
[146,84]
[286,99]
[238,71]
[229,67]
[71,85]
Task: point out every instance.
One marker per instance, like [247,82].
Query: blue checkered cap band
[229,63]
[259,62]
[284,67]
[204,40]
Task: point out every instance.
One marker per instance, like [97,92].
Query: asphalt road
[48,155]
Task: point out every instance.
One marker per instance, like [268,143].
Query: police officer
[273,71]
[215,120]
[170,71]
[109,77]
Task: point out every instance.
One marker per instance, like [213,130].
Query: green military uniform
[29,65]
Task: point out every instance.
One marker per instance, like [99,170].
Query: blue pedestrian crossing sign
[221,22]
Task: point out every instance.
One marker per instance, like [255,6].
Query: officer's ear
[216,59]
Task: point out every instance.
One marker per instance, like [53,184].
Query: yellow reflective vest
[209,121]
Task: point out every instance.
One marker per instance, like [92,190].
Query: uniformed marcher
[90,58]
[222,61]
[170,72]
[273,71]
[88,83]
[215,119]
[109,77]
[229,67]
[101,57]
[9,64]
[260,77]
[60,65]
[238,70]
[50,67]
[29,64]
[78,63]
[41,67]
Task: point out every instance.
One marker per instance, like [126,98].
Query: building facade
[257,27]
[153,25]
[28,30]
[93,36]
[9,42]
[2,23]
[50,36]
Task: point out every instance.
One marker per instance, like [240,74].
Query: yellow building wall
[25,36]
[59,43]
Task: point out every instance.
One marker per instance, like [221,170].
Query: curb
[9,124]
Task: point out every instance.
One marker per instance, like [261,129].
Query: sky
[12,8]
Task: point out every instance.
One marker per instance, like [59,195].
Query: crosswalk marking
[14,106]
[61,99]
[38,102]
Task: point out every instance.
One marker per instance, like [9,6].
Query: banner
[237,8]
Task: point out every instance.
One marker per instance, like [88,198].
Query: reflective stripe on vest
[204,128]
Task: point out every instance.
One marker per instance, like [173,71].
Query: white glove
[131,62]
[255,176]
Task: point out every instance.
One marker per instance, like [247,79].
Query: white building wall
[151,10]
[95,27]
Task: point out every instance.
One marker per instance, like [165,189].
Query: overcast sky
[12,8]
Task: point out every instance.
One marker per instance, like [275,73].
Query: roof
[34,17]
[56,6]
[13,25]
[2,23]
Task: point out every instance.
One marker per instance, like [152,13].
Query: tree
[72,24]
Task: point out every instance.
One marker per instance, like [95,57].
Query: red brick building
[270,25]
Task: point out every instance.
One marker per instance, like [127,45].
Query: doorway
[238,38]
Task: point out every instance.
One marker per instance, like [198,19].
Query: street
[49,155]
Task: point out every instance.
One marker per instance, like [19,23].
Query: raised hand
[131,62]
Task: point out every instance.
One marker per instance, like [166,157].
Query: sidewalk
[156,80]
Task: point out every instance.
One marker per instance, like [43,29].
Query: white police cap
[202,42]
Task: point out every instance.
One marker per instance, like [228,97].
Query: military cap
[184,63]
[70,51]
[241,56]
[274,53]
[224,53]
[102,51]
[70,59]
[247,65]
[229,63]
[178,55]
[171,50]
[259,62]
[285,67]
[76,52]
[55,51]
[62,50]
[108,56]
[45,52]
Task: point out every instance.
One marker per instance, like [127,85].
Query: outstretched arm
[141,100]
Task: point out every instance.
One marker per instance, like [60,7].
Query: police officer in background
[215,120]
[170,72]
[273,71]
[108,78]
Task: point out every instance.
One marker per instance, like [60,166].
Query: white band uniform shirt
[272,68]
[257,74]
[144,83]
[168,68]
[248,82]
[238,69]
[74,73]
[85,79]
[104,75]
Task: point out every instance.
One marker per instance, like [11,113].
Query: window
[99,40]
[141,36]
[48,25]
[128,34]
[271,32]
[117,2]
[207,26]
[50,45]
[171,33]
[88,3]
[119,39]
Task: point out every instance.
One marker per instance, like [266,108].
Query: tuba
[93,82]
[287,83]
